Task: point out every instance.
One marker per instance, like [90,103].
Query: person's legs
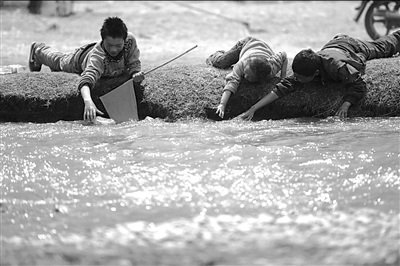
[42,54]
[385,46]
[224,60]
[33,63]
[344,42]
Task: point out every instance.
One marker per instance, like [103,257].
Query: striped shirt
[257,48]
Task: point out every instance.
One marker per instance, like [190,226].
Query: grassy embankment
[194,91]
[163,30]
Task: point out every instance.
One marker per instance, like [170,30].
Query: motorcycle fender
[360,9]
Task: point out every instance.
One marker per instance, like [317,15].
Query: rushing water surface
[288,192]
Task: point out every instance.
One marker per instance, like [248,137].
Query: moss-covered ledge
[193,91]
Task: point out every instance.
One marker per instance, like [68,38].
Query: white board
[120,103]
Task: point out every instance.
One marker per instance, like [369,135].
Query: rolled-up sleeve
[92,72]
[233,79]
[134,65]
[355,86]
[286,86]
[281,58]
[277,62]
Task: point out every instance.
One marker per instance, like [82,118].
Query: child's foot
[34,65]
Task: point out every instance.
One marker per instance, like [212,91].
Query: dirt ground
[165,29]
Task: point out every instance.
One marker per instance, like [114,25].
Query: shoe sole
[31,61]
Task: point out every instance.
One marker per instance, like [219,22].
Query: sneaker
[211,59]
[397,34]
[208,61]
[340,36]
[34,66]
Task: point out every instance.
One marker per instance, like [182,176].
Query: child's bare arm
[284,65]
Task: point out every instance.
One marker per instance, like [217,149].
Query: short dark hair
[113,27]
[306,63]
[261,67]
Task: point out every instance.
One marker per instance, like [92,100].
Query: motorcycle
[381,17]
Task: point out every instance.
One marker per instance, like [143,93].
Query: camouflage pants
[385,46]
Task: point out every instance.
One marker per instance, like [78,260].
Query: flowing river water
[288,192]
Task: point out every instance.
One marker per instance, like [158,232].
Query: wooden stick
[151,70]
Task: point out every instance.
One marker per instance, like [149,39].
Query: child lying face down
[253,60]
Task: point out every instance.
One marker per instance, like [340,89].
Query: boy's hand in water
[220,110]
[90,112]
[248,115]
[342,111]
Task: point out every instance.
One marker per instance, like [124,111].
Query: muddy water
[289,192]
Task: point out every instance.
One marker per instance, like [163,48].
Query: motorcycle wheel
[375,21]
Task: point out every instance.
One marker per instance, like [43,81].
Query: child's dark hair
[306,63]
[261,68]
[113,27]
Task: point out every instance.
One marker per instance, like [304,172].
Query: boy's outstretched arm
[224,100]
[90,111]
[284,65]
[355,88]
[232,83]
[267,99]
[286,86]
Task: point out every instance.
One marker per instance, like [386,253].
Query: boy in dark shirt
[342,59]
